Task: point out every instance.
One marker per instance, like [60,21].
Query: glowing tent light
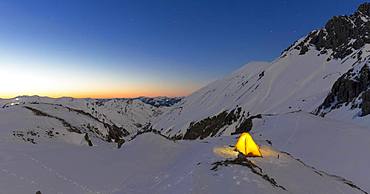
[247,146]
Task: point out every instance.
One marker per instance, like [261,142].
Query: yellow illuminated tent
[247,146]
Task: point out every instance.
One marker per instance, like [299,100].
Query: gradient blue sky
[123,48]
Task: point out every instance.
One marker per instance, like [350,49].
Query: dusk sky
[135,48]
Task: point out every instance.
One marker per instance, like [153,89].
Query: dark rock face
[114,132]
[246,125]
[365,107]
[160,102]
[347,89]
[364,9]
[261,75]
[210,126]
[342,34]
[87,139]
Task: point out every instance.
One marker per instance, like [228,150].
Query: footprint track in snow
[84,188]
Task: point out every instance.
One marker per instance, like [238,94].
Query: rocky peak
[364,9]
[343,35]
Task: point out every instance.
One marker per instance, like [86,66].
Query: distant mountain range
[93,119]
[309,110]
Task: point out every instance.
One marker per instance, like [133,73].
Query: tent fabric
[247,146]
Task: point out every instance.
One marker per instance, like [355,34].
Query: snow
[336,147]
[154,165]
[302,152]
[22,121]
[364,19]
[285,92]
[151,163]
[126,113]
[290,83]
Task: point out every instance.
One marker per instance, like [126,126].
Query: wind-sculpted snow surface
[153,164]
[336,147]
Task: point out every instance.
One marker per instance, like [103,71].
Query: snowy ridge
[291,83]
[92,120]
[299,80]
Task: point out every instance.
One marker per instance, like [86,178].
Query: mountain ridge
[307,71]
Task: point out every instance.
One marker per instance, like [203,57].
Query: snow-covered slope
[313,101]
[153,164]
[91,120]
[299,80]
[336,147]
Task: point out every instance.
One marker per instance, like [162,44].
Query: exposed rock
[160,101]
[246,125]
[261,75]
[87,139]
[364,9]
[120,142]
[346,89]
[65,123]
[243,161]
[341,34]
[365,107]
[303,50]
[114,132]
[210,126]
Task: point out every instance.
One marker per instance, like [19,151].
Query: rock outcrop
[342,35]
[349,87]
[212,125]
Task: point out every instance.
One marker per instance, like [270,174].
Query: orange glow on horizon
[108,93]
[16,81]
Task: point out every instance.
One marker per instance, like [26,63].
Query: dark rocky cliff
[341,34]
[352,88]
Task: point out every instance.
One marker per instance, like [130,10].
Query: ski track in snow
[21,178]
[65,179]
